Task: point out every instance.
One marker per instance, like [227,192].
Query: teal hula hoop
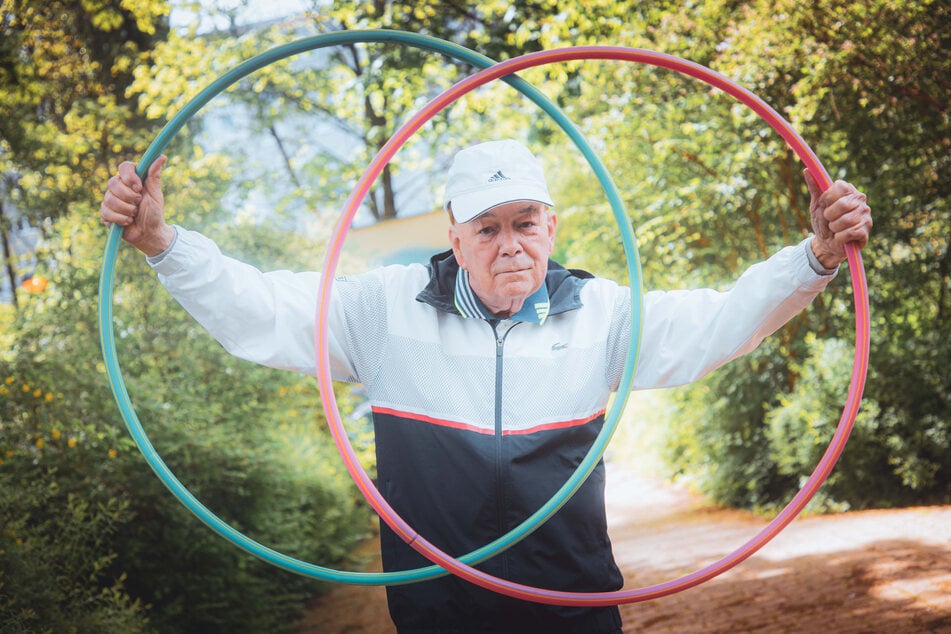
[141,439]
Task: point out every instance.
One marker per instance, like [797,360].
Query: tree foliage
[324,115]
[867,85]
[64,70]
[82,504]
[92,542]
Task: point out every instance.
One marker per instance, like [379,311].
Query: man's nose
[509,242]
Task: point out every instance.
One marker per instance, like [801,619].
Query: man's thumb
[814,190]
[153,180]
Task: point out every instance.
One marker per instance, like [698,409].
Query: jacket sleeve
[688,334]
[267,318]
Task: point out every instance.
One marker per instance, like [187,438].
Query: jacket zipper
[499,464]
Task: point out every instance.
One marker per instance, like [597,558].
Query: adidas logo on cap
[498,177]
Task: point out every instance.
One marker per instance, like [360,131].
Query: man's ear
[455,242]
[552,227]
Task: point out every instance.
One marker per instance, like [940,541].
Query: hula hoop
[141,439]
[541,595]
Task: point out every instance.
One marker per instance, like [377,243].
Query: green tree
[867,86]
[385,83]
[246,440]
[881,83]
[64,69]
[92,542]
[347,101]
[711,189]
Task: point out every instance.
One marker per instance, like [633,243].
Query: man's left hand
[840,215]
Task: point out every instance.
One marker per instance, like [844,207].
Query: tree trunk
[8,264]
[389,197]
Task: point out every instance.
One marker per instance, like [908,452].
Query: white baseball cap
[490,174]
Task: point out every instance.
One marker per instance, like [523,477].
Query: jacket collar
[563,285]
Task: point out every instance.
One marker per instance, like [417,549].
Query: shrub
[93,542]
[747,445]
[56,547]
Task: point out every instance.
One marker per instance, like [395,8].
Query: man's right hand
[138,207]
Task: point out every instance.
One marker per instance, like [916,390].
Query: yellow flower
[113,453]
[26,387]
[37,392]
[40,442]
[71,442]
[3,389]
[49,397]
[55,434]
[9,453]
[8,380]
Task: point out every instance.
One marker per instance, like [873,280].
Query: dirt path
[868,572]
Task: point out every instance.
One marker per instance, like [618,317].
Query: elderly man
[489,369]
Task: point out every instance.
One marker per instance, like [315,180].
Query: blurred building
[401,240]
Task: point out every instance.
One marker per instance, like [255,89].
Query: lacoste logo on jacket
[555,347]
[498,176]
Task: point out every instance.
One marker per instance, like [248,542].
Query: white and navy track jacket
[478,422]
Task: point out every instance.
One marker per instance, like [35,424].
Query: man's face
[505,251]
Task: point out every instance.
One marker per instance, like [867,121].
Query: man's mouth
[511,271]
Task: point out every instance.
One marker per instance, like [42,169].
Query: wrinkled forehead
[517,209]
